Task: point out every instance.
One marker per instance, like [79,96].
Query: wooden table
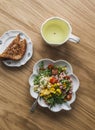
[15,99]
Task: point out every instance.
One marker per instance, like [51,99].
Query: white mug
[56,31]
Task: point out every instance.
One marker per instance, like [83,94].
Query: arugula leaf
[55,99]
[41,66]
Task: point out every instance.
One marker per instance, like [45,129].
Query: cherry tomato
[50,66]
[53,80]
[67,77]
[69,96]
[54,71]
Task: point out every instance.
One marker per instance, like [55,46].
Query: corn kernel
[58,84]
[58,91]
[64,68]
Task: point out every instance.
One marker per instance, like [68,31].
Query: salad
[53,84]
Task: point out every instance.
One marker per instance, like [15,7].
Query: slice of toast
[15,50]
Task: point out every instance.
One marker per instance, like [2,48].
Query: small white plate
[75,84]
[7,38]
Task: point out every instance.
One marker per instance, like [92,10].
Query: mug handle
[74,38]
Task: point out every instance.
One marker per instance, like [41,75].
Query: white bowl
[75,84]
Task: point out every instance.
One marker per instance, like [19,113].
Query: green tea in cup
[56,31]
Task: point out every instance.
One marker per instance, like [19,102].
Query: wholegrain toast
[15,50]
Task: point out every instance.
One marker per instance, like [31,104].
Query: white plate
[75,84]
[7,38]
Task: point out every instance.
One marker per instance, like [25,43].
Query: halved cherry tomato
[53,80]
[67,77]
[69,96]
[50,66]
[54,71]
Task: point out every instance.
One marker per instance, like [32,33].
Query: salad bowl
[75,84]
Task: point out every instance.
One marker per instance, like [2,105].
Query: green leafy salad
[53,84]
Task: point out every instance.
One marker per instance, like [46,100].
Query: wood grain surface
[15,99]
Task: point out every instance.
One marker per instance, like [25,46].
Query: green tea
[55,31]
